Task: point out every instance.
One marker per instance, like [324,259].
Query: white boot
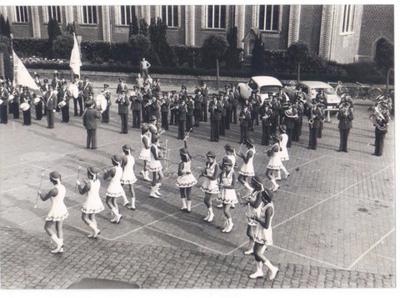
[273,269]
[250,250]
[153,193]
[225,226]
[157,189]
[59,243]
[184,207]
[208,215]
[132,207]
[230,226]
[211,217]
[146,176]
[258,273]
[189,206]
[126,202]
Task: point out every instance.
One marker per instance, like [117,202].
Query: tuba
[377,117]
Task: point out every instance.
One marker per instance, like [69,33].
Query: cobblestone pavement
[26,263]
[334,224]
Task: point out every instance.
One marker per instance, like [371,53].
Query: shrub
[32,47]
[258,56]
[96,51]
[62,46]
[213,48]
[6,50]
[141,47]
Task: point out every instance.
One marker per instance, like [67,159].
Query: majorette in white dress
[283,144]
[128,175]
[93,202]
[250,210]
[228,194]
[261,234]
[145,153]
[186,180]
[58,210]
[247,169]
[232,158]
[154,165]
[114,188]
[275,161]
[210,186]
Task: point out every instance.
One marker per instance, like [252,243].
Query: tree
[298,54]
[5,48]
[141,46]
[53,30]
[70,28]
[158,38]
[213,50]
[143,28]
[232,53]
[133,27]
[384,58]
[62,46]
[258,55]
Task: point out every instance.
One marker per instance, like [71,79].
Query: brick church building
[342,33]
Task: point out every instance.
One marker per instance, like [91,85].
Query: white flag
[21,75]
[75,60]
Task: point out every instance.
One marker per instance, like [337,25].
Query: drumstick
[40,186]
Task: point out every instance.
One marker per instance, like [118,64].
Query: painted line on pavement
[369,249]
[307,162]
[316,205]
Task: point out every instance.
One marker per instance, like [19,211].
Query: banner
[75,62]
[21,74]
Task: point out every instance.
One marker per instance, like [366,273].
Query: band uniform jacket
[245,118]
[87,90]
[51,102]
[165,105]
[90,118]
[123,105]
[182,110]
[122,86]
[215,110]
[345,122]
[190,107]
[136,101]
[317,117]
[198,99]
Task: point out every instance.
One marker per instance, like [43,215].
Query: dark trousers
[15,110]
[312,142]
[319,132]
[65,113]
[222,126]
[244,133]
[228,119]
[205,113]
[124,123]
[344,134]
[91,140]
[50,119]
[39,111]
[3,113]
[289,132]
[172,117]
[181,129]
[27,117]
[136,117]
[189,122]
[234,115]
[78,101]
[197,118]
[266,131]
[164,120]
[215,130]
[297,131]
[105,116]
[379,141]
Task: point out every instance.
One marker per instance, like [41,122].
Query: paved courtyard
[334,224]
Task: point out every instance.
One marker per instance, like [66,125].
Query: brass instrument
[377,116]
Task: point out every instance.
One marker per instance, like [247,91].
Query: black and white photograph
[199,145]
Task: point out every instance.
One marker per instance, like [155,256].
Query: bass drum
[101,102]
[24,106]
[36,100]
[244,91]
[73,90]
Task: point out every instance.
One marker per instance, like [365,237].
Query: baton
[77,177]
[40,186]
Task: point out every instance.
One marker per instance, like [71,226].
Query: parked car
[266,86]
[311,88]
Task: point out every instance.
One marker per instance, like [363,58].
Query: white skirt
[57,213]
[154,166]
[115,190]
[275,162]
[262,235]
[284,155]
[145,154]
[210,186]
[128,177]
[187,180]
[92,205]
[247,170]
[229,196]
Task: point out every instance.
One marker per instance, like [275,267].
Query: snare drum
[24,106]
[10,97]
[62,104]
[36,100]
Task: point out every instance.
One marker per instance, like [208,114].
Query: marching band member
[198,101]
[55,82]
[122,86]
[15,96]
[182,112]
[381,122]
[136,107]
[51,106]
[263,216]
[247,169]
[275,163]
[123,106]
[36,78]
[345,117]
[210,184]
[266,117]
[221,124]
[87,89]
[105,116]
[227,180]
[298,124]
[185,180]
[77,95]
[38,103]
[64,97]
[114,189]
[154,166]
[189,113]
[46,93]
[128,176]
[3,103]
[290,117]
[283,140]
[204,93]
[58,211]
[93,203]
[145,152]
[315,119]
[26,112]
[165,106]
[89,118]
[244,119]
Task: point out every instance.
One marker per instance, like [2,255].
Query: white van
[311,88]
